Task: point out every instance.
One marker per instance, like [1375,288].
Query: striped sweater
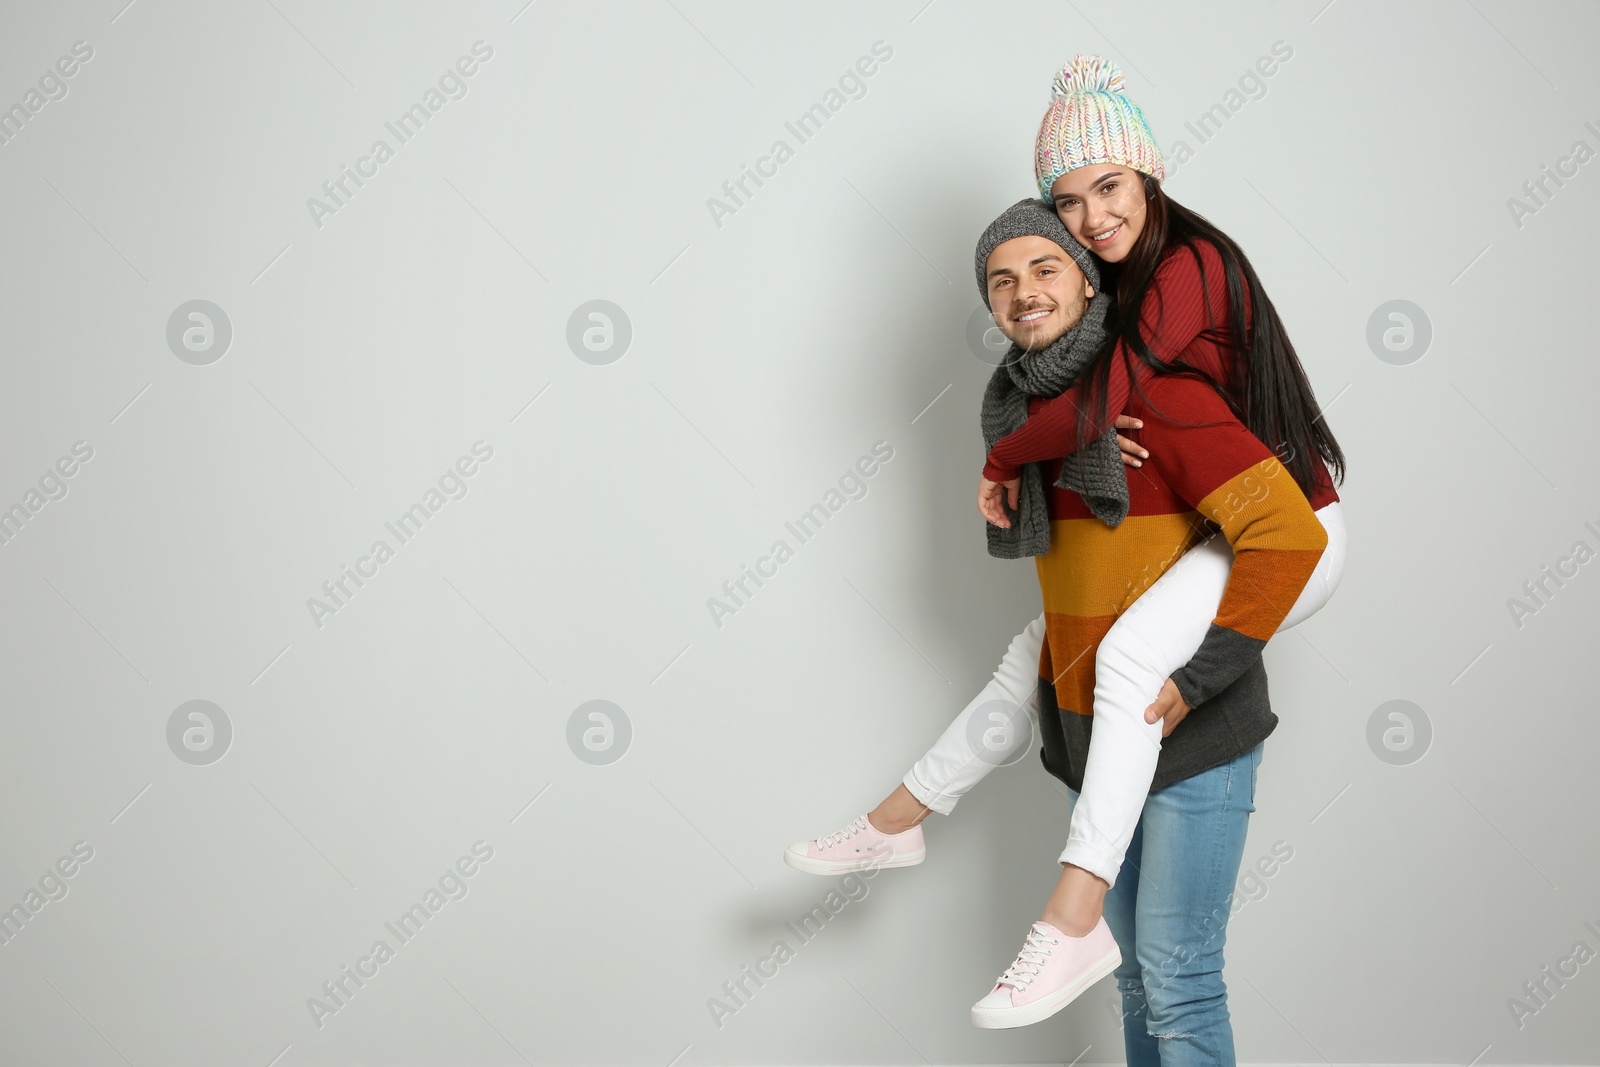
[1207,476]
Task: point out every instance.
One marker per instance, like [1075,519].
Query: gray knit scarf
[1096,472]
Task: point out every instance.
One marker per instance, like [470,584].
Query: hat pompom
[1087,74]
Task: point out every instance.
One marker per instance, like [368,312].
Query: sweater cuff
[1224,654]
[999,474]
[1186,687]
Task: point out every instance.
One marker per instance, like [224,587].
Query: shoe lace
[848,832]
[1030,961]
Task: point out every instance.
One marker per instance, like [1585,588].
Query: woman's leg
[996,728]
[1154,637]
[1193,839]
[1000,722]
[1158,634]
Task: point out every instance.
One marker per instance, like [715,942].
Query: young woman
[1188,306]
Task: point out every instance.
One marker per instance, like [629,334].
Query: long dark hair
[1268,391]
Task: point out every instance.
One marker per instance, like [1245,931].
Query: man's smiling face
[1036,292]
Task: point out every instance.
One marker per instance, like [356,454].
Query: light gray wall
[770,348]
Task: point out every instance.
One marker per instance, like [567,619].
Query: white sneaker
[857,847]
[1049,973]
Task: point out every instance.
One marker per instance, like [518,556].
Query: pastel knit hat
[1090,120]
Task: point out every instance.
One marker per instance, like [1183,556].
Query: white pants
[1158,634]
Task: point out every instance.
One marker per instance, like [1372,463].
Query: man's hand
[1132,454]
[1169,705]
[989,499]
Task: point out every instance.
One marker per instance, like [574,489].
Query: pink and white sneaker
[857,847]
[1048,974]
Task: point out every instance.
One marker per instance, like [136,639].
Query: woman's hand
[1169,705]
[989,494]
[1132,454]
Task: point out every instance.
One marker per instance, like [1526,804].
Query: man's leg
[1128,1001]
[1193,840]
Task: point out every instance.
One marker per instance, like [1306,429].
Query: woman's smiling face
[1102,206]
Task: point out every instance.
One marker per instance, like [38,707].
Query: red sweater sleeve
[1177,309]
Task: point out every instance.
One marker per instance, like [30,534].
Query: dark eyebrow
[1107,176]
[1034,262]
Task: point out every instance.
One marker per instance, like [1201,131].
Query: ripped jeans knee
[1176,1009]
[1133,1003]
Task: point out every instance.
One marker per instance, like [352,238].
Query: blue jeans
[1169,913]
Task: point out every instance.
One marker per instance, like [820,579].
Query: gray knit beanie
[1031,218]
